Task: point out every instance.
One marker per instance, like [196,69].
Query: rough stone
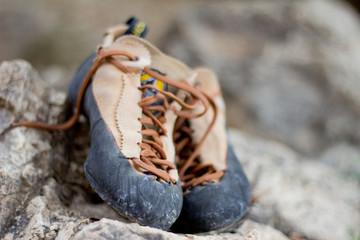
[298,196]
[345,158]
[25,154]
[109,229]
[289,70]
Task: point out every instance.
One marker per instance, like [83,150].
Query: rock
[345,158]
[43,191]
[44,194]
[109,229]
[289,70]
[25,154]
[297,196]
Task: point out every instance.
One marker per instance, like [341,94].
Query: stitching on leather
[117,113]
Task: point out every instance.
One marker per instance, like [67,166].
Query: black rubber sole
[108,200]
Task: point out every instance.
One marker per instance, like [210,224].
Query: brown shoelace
[152,155]
[191,171]
[75,117]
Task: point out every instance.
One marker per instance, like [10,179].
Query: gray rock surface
[25,154]
[295,195]
[110,230]
[289,69]
[43,191]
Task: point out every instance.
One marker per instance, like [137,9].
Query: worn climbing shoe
[216,190]
[130,163]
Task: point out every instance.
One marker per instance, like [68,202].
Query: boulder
[25,154]
[43,190]
[44,194]
[300,197]
[111,230]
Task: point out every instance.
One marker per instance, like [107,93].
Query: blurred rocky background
[291,80]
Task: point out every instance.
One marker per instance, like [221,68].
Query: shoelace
[191,171]
[152,155]
[75,117]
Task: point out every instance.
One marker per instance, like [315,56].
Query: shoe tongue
[147,79]
[136,27]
